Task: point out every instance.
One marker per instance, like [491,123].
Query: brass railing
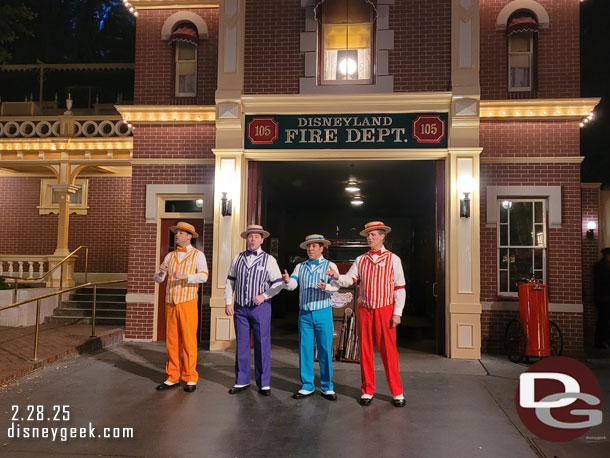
[59,294]
[42,277]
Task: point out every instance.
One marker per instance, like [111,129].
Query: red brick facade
[108,203]
[558,54]
[155,64]
[590,199]
[421,58]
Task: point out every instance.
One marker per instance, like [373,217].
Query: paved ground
[455,408]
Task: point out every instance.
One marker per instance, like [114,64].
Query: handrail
[59,293]
[61,277]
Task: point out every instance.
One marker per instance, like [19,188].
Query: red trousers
[181,341]
[374,327]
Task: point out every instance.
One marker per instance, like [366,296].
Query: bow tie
[181,248]
[374,252]
[250,252]
[314,262]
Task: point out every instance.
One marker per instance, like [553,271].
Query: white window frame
[500,247]
[530,56]
[177,63]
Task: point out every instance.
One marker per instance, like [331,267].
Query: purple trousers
[257,319]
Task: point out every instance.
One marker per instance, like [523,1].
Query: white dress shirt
[272,269]
[201,266]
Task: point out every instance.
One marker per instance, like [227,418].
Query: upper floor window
[522,27]
[186,40]
[346,42]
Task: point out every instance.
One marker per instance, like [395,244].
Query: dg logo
[559,399]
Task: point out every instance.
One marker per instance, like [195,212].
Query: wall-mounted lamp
[591,226]
[226,184]
[507,204]
[226,205]
[465,186]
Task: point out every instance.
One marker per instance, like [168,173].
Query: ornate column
[463,280]
[231,165]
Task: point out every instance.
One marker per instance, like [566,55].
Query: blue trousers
[258,319]
[318,324]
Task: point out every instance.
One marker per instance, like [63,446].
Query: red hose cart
[533,334]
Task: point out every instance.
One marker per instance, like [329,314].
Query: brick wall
[155,60]
[590,254]
[273,62]
[174,141]
[421,58]
[558,60]
[529,138]
[108,202]
[493,328]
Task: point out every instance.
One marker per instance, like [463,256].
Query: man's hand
[395,321]
[285,276]
[332,273]
[179,276]
[321,285]
[163,268]
[258,300]
[229,309]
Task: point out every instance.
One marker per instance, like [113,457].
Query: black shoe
[265,392]
[330,396]
[399,402]
[365,401]
[165,386]
[299,395]
[237,389]
[190,388]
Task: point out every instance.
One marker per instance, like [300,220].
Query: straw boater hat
[375,226]
[185,227]
[314,238]
[254,229]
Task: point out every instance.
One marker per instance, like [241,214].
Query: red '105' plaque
[262,131]
[428,129]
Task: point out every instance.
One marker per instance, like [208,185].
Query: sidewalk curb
[108,339]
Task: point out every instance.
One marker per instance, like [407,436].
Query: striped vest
[376,281]
[250,281]
[180,291]
[310,297]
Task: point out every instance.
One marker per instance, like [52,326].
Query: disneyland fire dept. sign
[347,131]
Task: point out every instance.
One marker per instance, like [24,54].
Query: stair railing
[59,293]
[42,277]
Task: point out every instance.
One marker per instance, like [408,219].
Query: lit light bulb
[352,186]
[591,225]
[357,200]
[347,66]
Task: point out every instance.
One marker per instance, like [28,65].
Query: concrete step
[100,297]
[89,305]
[84,320]
[65,311]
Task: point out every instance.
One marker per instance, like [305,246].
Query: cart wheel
[556,339]
[515,341]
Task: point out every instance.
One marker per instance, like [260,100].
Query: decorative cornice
[167,114]
[533,160]
[546,109]
[347,103]
[173,4]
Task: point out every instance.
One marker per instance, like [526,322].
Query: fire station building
[455,122]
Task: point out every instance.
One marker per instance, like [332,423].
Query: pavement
[455,408]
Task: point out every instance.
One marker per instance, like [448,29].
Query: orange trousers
[181,341]
[373,326]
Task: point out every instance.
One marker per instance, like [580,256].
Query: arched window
[346,41]
[185,41]
[522,29]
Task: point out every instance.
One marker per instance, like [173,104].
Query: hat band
[374,225]
[314,238]
[255,228]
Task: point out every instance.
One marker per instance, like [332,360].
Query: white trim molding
[183,16]
[153,190]
[515,5]
[513,306]
[552,193]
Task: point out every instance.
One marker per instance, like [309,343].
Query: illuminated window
[521,29]
[521,243]
[347,42]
